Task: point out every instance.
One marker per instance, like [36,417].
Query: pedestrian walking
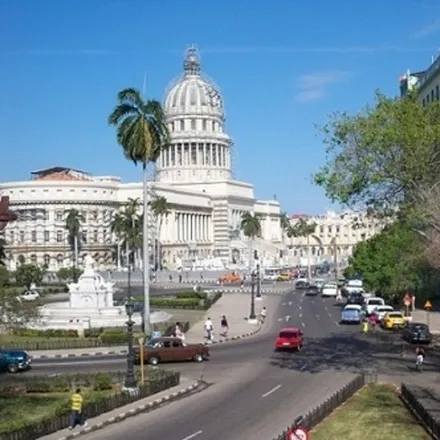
[209,328]
[413,302]
[263,315]
[77,414]
[180,277]
[224,325]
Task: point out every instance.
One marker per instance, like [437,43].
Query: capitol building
[194,174]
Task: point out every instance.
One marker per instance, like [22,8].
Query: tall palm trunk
[154,250]
[75,250]
[146,259]
[158,245]
[118,255]
[127,254]
[250,255]
[336,259]
[309,266]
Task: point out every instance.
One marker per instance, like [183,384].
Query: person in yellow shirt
[77,415]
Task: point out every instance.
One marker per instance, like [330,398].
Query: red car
[289,338]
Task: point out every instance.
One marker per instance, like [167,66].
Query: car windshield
[288,335]
[375,302]
[152,342]
[420,327]
[351,308]
[395,315]
[384,309]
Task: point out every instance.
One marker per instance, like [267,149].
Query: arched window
[60,259]
[46,260]
[33,259]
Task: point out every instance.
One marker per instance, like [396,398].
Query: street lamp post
[252,317]
[258,297]
[130,380]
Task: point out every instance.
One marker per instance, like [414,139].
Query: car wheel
[12,368]
[198,357]
[153,360]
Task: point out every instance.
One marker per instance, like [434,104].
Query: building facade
[426,83]
[194,174]
[334,233]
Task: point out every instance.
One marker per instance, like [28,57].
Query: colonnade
[193,227]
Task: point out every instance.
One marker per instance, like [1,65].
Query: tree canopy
[389,261]
[251,225]
[384,156]
[28,274]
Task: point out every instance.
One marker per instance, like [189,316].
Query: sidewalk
[235,306]
[185,387]
[424,317]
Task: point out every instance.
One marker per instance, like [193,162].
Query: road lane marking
[269,392]
[303,367]
[284,304]
[317,316]
[287,318]
[193,435]
[300,307]
[290,303]
[303,324]
[325,307]
[300,315]
[329,314]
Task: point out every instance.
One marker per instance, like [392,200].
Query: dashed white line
[303,367]
[290,303]
[300,315]
[264,395]
[193,435]
[300,307]
[303,324]
[329,314]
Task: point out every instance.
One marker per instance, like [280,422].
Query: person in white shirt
[263,314]
[209,328]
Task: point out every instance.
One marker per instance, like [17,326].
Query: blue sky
[282,66]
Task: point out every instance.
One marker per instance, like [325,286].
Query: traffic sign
[299,433]
[428,305]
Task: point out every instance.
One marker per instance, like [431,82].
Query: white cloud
[314,86]
[428,29]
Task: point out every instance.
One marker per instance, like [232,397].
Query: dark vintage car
[14,361]
[170,349]
[312,291]
[355,298]
[417,333]
[300,284]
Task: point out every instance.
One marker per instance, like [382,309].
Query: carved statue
[5,215]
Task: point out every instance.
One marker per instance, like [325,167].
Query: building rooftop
[60,173]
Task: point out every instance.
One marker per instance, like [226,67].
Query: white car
[270,277]
[29,295]
[319,282]
[371,304]
[381,310]
[329,290]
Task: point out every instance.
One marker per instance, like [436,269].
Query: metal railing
[419,410]
[92,409]
[323,410]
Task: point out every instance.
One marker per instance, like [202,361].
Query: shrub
[50,333]
[102,382]
[114,336]
[176,303]
[192,294]
[93,332]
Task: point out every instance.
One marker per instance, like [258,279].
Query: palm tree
[251,227]
[160,208]
[303,229]
[132,229]
[142,132]
[117,228]
[73,226]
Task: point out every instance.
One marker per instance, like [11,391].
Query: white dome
[193,94]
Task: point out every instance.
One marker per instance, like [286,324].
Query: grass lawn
[32,407]
[374,413]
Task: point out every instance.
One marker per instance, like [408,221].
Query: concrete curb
[198,385]
[121,352]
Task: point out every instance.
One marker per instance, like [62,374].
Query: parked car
[301,284]
[14,361]
[329,290]
[417,333]
[284,277]
[289,338]
[319,282]
[312,290]
[270,277]
[355,298]
[371,304]
[380,312]
[393,320]
[169,349]
[29,295]
[352,314]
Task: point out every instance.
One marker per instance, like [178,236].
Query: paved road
[255,392]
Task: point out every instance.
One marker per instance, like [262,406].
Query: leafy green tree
[390,261]
[142,133]
[15,313]
[384,156]
[159,206]
[303,229]
[69,274]
[28,274]
[251,227]
[4,276]
[73,226]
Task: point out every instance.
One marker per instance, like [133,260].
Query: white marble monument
[90,305]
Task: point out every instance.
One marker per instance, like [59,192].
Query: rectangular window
[33,214]
[182,125]
[193,154]
[46,236]
[11,237]
[204,127]
[193,124]
[59,236]
[337,229]
[321,229]
[329,229]
[84,236]
[34,236]
[59,216]
[95,235]
[22,237]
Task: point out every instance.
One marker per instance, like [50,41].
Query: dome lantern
[191,65]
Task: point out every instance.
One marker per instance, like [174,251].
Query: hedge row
[42,290]
[192,303]
[93,405]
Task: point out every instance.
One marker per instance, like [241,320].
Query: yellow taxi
[284,277]
[393,320]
